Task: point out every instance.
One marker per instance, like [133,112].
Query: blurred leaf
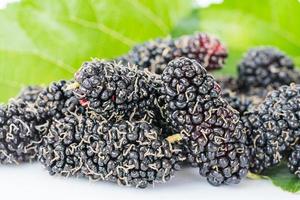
[281,177]
[187,25]
[244,24]
[45,40]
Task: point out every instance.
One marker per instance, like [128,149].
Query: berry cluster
[135,120]
[267,81]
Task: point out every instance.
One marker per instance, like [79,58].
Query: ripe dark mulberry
[273,127]
[116,91]
[18,133]
[155,55]
[212,134]
[265,66]
[294,161]
[130,153]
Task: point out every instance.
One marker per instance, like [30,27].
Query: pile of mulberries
[268,79]
[137,119]
[155,55]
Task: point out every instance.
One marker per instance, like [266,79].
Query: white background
[31,181]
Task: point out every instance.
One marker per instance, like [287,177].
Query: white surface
[3,3]
[32,182]
[206,3]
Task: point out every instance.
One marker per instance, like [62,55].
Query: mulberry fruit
[116,91]
[294,161]
[18,133]
[129,153]
[265,66]
[273,127]
[155,55]
[210,128]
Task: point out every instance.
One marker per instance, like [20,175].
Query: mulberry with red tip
[116,91]
[155,55]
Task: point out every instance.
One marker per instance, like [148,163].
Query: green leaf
[45,40]
[281,177]
[244,24]
[187,25]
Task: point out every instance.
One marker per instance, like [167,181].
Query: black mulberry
[130,153]
[116,91]
[18,133]
[155,55]
[212,134]
[265,66]
[294,161]
[274,127]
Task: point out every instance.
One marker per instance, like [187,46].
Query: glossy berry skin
[155,55]
[266,66]
[212,135]
[274,127]
[129,153]
[294,161]
[18,133]
[115,91]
